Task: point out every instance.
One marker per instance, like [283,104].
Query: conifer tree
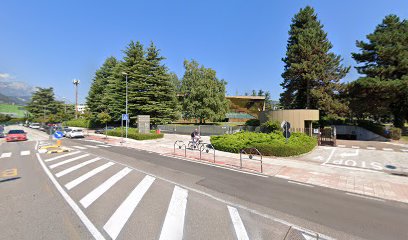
[312,73]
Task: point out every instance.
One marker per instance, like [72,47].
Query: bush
[252,122]
[270,126]
[134,134]
[80,122]
[272,144]
[395,133]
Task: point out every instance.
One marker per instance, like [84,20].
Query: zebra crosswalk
[122,202]
[10,154]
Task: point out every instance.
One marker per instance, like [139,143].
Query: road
[107,192]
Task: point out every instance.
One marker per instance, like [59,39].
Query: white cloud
[5,76]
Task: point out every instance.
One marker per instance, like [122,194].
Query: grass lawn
[15,110]
[404,139]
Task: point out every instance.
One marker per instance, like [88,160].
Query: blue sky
[49,43]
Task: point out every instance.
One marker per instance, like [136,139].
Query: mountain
[23,100]
[14,92]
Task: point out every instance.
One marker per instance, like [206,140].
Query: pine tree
[43,104]
[384,88]
[312,73]
[97,100]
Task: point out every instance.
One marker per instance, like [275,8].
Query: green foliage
[312,73]
[134,134]
[252,122]
[395,133]
[4,118]
[270,126]
[272,144]
[384,88]
[204,95]
[44,106]
[104,117]
[80,122]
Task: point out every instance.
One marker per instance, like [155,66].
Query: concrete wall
[296,117]
[360,133]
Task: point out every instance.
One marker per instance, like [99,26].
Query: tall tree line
[151,90]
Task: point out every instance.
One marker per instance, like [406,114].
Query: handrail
[207,147]
[180,144]
[251,152]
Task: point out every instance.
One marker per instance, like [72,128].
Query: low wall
[360,133]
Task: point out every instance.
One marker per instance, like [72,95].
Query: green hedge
[80,122]
[134,134]
[272,144]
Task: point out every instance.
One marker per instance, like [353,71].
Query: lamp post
[76,83]
[127,120]
[65,105]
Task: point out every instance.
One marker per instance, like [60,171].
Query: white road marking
[238,224]
[87,175]
[116,222]
[404,150]
[68,161]
[371,148]
[388,149]
[342,146]
[85,220]
[174,222]
[25,153]
[76,167]
[282,176]
[5,155]
[366,197]
[309,237]
[330,156]
[61,156]
[298,183]
[355,147]
[101,189]
[106,146]
[79,147]
[318,158]
[354,154]
[91,146]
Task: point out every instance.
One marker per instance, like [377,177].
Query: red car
[16,135]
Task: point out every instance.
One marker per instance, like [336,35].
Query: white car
[75,133]
[35,125]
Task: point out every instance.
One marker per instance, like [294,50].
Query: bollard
[58,143]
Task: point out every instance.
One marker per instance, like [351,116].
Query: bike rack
[180,144]
[207,147]
[251,152]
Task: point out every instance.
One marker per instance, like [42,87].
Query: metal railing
[207,147]
[180,145]
[251,152]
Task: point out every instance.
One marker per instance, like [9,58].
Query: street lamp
[127,120]
[76,83]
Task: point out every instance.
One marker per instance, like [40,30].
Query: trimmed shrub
[395,133]
[272,144]
[270,126]
[80,122]
[252,122]
[134,134]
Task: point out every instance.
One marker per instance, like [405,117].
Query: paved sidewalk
[371,183]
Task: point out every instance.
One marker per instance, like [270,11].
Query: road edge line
[85,220]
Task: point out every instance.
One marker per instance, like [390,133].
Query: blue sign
[58,135]
[125,117]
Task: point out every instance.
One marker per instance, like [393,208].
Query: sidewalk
[370,183]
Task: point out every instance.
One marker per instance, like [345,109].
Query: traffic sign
[58,135]
[125,117]
[286,134]
[285,125]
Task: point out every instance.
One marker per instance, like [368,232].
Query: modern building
[243,108]
[299,119]
[81,108]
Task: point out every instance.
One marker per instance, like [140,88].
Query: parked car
[16,135]
[102,130]
[2,135]
[66,130]
[75,133]
[35,125]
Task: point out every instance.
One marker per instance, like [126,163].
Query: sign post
[58,135]
[125,117]
[285,125]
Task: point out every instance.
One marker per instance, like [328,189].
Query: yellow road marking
[9,173]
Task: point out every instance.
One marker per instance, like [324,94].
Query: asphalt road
[102,191]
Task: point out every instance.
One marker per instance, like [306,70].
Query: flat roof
[247,97]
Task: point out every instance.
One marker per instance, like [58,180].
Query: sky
[50,43]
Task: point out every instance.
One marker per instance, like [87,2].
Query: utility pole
[65,105]
[76,83]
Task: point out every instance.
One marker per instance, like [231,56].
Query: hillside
[12,110]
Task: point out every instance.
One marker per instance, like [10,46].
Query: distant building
[82,108]
[243,108]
